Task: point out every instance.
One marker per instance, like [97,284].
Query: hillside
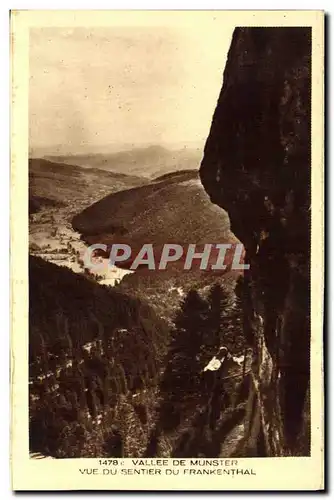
[91,350]
[107,378]
[175,209]
[148,162]
[51,182]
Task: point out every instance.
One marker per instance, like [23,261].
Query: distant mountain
[51,183]
[148,162]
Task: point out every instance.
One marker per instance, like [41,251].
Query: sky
[116,87]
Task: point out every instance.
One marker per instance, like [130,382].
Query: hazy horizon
[89,149]
[108,89]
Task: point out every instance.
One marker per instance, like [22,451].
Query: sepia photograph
[170,195]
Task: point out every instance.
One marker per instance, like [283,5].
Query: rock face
[256,166]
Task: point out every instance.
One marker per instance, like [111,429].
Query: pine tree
[220,324]
[182,378]
[225,325]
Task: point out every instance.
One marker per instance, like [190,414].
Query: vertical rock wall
[256,166]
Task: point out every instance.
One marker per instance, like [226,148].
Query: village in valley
[53,239]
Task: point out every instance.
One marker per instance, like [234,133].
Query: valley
[57,193]
[53,239]
[103,344]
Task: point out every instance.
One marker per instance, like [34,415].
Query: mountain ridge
[148,162]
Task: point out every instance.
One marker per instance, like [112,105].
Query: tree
[181,380]
[225,325]
[219,325]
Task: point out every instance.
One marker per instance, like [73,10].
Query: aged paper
[167,250]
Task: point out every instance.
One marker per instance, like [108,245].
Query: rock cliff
[256,166]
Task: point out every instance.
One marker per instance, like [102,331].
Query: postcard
[167,250]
